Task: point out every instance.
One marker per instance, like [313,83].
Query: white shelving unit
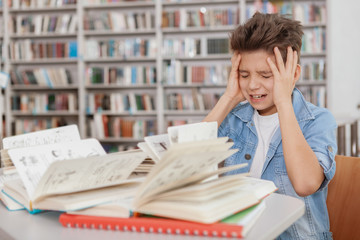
[191,17]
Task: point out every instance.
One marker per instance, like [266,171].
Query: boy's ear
[297,73]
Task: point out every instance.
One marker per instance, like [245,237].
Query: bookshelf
[41,52]
[126,69]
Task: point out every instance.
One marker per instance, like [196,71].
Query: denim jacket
[318,126]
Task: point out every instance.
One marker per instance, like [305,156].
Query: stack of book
[171,184]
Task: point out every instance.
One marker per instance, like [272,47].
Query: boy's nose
[254,83]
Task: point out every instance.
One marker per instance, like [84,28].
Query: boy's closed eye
[267,76]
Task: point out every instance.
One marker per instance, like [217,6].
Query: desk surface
[280,212]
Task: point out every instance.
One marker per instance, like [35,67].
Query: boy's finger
[294,66]
[279,60]
[289,60]
[273,68]
[235,61]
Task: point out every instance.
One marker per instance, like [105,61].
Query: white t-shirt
[266,126]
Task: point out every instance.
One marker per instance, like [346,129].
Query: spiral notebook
[236,225]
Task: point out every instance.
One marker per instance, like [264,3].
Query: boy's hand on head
[233,90]
[284,75]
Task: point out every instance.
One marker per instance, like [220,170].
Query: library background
[122,70]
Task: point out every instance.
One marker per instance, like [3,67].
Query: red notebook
[164,225]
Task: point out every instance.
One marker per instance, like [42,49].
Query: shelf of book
[120,76]
[127,113]
[71,7]
[99,5]
[42,36]
[171,50]
[44,114]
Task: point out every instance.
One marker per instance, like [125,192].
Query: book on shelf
[236,225]
[70,176]
[52,77]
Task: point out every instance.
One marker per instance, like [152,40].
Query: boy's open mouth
[258,96]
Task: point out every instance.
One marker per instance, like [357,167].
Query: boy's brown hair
[266,31]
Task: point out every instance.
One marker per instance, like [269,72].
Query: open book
[8,172]
[69,176]
[178,186]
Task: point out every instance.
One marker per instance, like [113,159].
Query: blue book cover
[46,76]
[73,49]
[133,75]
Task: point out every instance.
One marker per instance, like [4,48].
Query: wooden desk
[281,211]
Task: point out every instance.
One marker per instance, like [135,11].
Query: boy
[282,137]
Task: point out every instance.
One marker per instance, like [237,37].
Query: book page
[7,177]
[32,162]
[260,187]
[88,173]
[159,144]
[192,132]
[212,145]
[85,199]
[194,179]
[16,191]
[203,191]
[48,136]
[181,166]
[146,149]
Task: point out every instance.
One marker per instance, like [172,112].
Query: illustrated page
[88,173]
[32,162]
[48,136]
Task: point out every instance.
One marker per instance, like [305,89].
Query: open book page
[48,136]
[32,162]
[158,144]
[177,165]
[89,199]
[260,187]
[211,145]
[146,149]
[192,132]
[88,173]
[194,179]
[204,191]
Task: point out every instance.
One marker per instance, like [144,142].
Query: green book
[246,218]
